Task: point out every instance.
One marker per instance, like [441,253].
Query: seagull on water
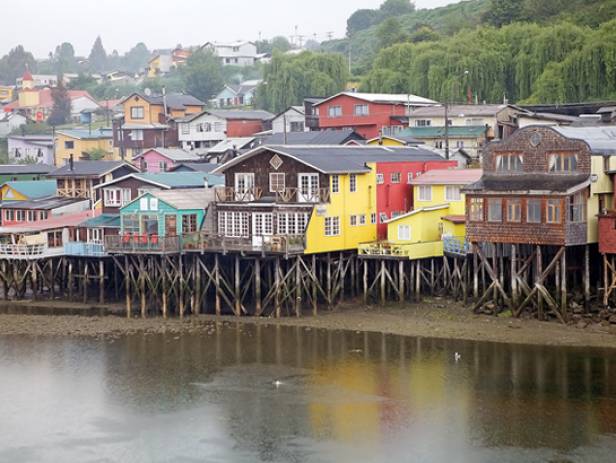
[277,384]
[457,356]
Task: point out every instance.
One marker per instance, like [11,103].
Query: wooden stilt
[382,280]
[586,277]
[217,285]
[298,287]
[126,286]
[401,281]
[258,307]
[563,286]
[101,281]
[538,272]
[277,307]
[365,281]
[238,293]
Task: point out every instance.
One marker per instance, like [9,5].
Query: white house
[31,147]
[81,103]
[293,117]
[10,122]
[201,131]
[236,95]
[240,53]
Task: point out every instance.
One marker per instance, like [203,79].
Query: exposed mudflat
[434,318]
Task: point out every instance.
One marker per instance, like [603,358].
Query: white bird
[457,356]
[277,384]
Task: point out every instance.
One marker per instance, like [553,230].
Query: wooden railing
[294,195]
[29,251]
[142,244]
[274,244]
[231,195]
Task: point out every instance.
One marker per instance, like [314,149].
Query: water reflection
[267,393]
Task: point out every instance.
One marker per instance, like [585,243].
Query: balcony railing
[412,251]
[230,194]
[268,244]
[294,195]
[142,244]
[29,251]
[455,245]
[78,248]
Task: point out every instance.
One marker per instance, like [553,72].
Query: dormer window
[562,162]
[509,163]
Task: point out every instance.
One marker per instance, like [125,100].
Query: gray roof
[205,167]
[174,154]
[90,168]
[196,198]
[600,139]
[24,169]
[44,204]
[48,139]
[334,159]
[321,137]
[463,110]
[173,100]
[252,114]
[527,182]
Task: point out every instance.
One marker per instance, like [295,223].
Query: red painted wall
[243,128]
[379,116]
[6,220]
[398,197]
[607,234]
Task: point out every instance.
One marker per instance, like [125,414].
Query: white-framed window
[308,185]
[43,215]
[244,186]
[353,183]
[137,112]
[495,210]
[404,232]
[20,215]
[562,162]
[95,235]
[276,182]
[509,162]
[362,219]
[460,144]
[395,177]
[425,192]
[335,111]
[362,110]
[233,224]
[292,223]
[383,217]
[423,123]
[31,216]
[452,193]
[332,226]
[136,135]
[153,204]
[380,179]
[185,129]
[335,179]
[409,177]
[116,197]
[9,215]
[373,218]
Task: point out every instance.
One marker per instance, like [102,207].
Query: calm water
[342,397]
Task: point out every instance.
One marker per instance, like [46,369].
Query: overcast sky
[40,25]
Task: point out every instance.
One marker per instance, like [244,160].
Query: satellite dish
[147,92]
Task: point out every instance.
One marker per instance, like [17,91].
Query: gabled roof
[298,109]
[242,114]
[384,98]
[165,180]
[44,204]
[460,110]
[459,131]
[173,154]
[90,168]
[320,137]
[238,143]
[205,167]
[335,159]
[600,139]
[195,198]
[173,100]
[438,207]
[34,188]
[25,169]
[86,134]
[448,177]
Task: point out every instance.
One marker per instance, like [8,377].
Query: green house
[166,213]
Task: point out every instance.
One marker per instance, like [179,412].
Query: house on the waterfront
[315,199]
[77,179]
[369,114]
[83,144]
[163,159]
[33,211]
[34,148]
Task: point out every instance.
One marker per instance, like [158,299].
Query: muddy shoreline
[433,318]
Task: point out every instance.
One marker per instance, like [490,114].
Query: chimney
[71,163]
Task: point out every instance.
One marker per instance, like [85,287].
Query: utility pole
[284,122]
[447,131]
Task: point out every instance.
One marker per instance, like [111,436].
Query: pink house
[163,159]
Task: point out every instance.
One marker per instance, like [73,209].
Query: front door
[171,225]
[308,188]
[262,227]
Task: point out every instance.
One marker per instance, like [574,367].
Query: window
[404,232]
[136,135]
[362,110]
[20,215]
[409,177]
[31,216]
[495,210]
[383,217]
[509,163]
[233,224]
[452,193]
[533,211]
[9,215]
[423,123]
[514,210]
[130,223]
[332,226]
[297,126]
[552,211]
[562,162]
[362,219]
[474,121]
[116,197]
[353,221]
[335,111]
[578,208]
[291,223]
[43,215]
[438,144]
[189,223]
[395,177]
[460,144]
[137,112]
[276,182]
[185,129]
[308,188]
[353,183]
[425,193]
[380,179]
[69,145]
[335,183]
[162,166]
[373,218]
[476,209]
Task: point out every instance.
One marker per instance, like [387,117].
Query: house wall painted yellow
[603,186]
[386,141]
[343,205]
[64,149]
[150,112]
[424,225]
[28,98]
[438,197]
[154,66]
[6,93]
[14,195]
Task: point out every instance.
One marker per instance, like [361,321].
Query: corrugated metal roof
[196,198]
[527,183]
[174,154]
[249,114]
[449,177]
[385,98]
[24,169]
[600,139]
[471,131]
[90,168]
[231,143]
[85,134]
[34,189]
[102,221]
[42,204]
[205,167]
[53,222]
[320,137]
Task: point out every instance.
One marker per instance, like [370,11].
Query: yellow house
[7,93]
[26,190]
[437,221]
[84,144]
[387,140]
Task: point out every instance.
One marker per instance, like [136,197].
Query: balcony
[285,196]
[142,244]
[273,244]
[233,195]
[78,248]
[29,251]
[294,195]
[411,251]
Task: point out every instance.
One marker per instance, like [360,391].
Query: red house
[243,123]
[394,192]
[368,113]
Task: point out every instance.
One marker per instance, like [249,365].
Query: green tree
[98,57]
[280,43]
[64,58]
[14,64]
[390,32]
[96,154]
[61,109]
[501,12]
[361,20]
[136,59]
[202,75]
[396,8]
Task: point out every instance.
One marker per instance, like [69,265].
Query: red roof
[46,100]
[27,75]
[53,222]
[449,177]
